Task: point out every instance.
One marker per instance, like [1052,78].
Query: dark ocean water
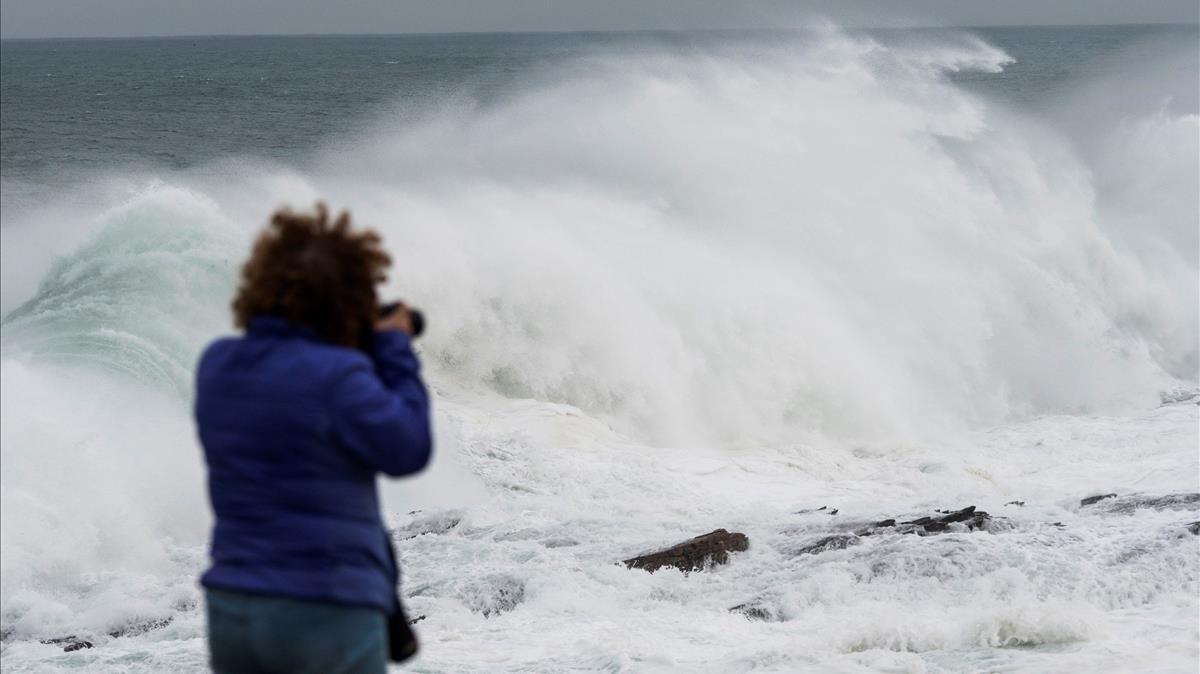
[68,106]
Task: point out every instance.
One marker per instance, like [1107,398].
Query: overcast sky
[113,18]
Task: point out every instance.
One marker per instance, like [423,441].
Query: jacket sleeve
[382,415]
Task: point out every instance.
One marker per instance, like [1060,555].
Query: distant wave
[733,246]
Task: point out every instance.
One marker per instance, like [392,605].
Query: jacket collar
[267,325]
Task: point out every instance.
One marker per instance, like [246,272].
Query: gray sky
[112,18]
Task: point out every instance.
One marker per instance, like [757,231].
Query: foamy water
[668,294]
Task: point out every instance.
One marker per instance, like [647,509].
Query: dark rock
[695,554]
[140,627]
[757,611]
[1132,502]
[834,542]
[967,519]
[414,621]
[945,521]
[69,644]
[1194,527]
[1182,501]
[823,509]
[132,629]
[1092,500]
[964,515]
[1016,503]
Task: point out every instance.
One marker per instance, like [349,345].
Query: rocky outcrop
[945,521]
[824,510]
[967,519]
[1194,527]
[139,627]
[834,542]
[1093,500]
[698,553]
[132,629]
[69,643]
[1132,502]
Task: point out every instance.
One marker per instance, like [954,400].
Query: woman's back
[295,426]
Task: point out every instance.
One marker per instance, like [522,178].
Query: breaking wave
[738,246]
[747,247]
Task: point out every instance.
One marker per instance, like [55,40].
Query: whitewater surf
[698,284]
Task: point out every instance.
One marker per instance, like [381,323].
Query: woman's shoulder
[294,357]
[336,359]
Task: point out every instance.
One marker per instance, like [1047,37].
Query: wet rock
[493,595]
[823,509]
[432,523]
[1194,527]
[140,627]
[967,519]
[1132,502]
[757,611]
[882,524]
[1092,500]
[70,643]
[693,555]
[834,542]
[1184,501]
[944,521]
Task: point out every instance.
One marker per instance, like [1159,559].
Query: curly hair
[315,273]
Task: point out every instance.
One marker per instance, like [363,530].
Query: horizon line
[194,36]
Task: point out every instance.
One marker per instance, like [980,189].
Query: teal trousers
[254,634]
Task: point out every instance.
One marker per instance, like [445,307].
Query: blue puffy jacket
[295,431]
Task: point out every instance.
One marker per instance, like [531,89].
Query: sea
[784,283]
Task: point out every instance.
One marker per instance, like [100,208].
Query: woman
[297,417]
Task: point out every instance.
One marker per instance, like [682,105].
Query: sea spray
[669,292]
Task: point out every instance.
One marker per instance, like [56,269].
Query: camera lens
[415,318]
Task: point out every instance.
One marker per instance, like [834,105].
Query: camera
[415,317]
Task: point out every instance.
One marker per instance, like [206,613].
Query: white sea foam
[667,294]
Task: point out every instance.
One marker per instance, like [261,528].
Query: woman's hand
[398,319]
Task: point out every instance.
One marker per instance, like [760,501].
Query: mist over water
[666,287]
